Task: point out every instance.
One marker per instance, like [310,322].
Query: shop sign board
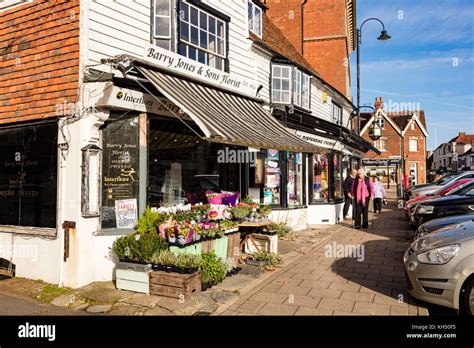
[381,162]
[129,99]
[319,141]
[181,65]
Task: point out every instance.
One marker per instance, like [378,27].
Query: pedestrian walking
[347,187]
[379,195]
[362,191]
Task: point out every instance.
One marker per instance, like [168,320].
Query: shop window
[336,114]
[413,145]
[162,23]
[202,36]
[273,172]
[28,175]
[295,184]
[281,84]
[381,144]
[255,18]
[338,179]
[320,177]
[120,173]
[182,165]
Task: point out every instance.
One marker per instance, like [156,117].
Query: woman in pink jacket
[362,193]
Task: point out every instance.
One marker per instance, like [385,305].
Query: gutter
[302,27]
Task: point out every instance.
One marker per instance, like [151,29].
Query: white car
[443,182]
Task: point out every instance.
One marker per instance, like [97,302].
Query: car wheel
[468,297]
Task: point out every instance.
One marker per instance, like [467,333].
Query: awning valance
[225,117]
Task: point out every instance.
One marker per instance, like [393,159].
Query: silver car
[442,183]
[440,267]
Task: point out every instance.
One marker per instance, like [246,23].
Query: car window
[470,192]
[461,190]
[445,179]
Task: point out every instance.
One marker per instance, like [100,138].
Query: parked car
[440,267]
[414,187]
[443,182]
[438,224]
[443,206]
[436,194]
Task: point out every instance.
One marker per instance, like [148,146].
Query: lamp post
[383,37]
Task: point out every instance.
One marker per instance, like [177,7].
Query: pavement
[327,270]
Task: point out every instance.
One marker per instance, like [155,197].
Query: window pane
[285,85]
[220,29]
[203,39]
[162,27]
[219,63]
[28,183]
[220,49]
[276,96]
[285,71]
[162,7]
[192,53]
[212,43]
[184,31]
[184,13]
[203,20]
[277,84]
[194,35]
[285,97]
[276,71]
[201,57]
[163,43]
[194,16]
[212,25]
[183,50]
[258,20]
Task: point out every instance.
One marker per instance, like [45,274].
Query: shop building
[453,155]
[402,144]
[174,98]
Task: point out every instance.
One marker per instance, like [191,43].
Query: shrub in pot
[213,270]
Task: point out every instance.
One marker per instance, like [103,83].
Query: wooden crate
[127,279]
[174,284]
[261,243]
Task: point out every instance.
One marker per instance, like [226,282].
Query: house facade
[454,154]
[116,106]
[402,145]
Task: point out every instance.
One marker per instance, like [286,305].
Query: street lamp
[382,37]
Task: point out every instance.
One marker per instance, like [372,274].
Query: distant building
[402,132]
[452,156]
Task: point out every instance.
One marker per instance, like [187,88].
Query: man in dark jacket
[347,187]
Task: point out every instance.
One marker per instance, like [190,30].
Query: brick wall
[325,33]
[39,64]
[393,148]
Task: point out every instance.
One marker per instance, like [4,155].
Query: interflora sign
[181,65]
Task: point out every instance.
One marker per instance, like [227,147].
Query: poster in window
[120,172]
[273,155]
[126,213]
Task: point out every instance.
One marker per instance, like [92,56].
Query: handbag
[385,201]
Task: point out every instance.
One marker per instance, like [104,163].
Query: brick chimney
[378,103]
[462,133]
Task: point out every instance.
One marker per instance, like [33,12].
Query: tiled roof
[274,40]
[463,139]
[468,152]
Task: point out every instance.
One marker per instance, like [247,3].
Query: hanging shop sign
[381,162]
[181,65]
[120,173]
[129,99]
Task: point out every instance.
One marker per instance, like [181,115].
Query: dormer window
[255,18]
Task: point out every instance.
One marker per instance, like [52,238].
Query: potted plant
[164,260]
[197,230]
[261,259]
[187,263]
[213,270]
[201,211]
[240,212]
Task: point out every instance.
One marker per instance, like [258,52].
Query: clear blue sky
[429,60]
